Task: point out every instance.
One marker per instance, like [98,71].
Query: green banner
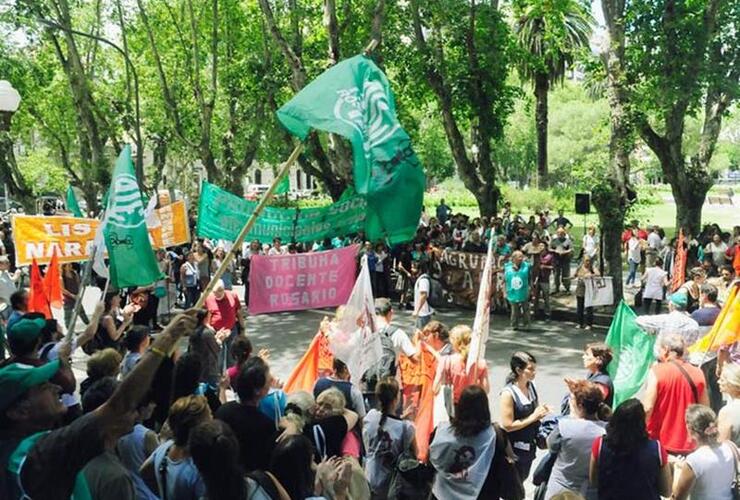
[221,215]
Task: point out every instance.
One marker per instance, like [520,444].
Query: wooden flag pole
[250,223]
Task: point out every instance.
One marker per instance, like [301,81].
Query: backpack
[386,365]
[436,292]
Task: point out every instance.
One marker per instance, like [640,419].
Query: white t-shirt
[718,252]
[714,469]
[402,343]
[654,277]
[275,251]
[633,250]
[590,245]
[654,241]
[423,284]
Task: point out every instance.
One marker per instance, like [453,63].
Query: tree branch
[296,65]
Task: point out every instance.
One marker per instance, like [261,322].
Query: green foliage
[43,174]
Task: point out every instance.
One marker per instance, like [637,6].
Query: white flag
[355,340]
[99,246]
[482,312]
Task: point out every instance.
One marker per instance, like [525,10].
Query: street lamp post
[10,99]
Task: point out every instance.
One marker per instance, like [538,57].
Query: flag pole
[250,223]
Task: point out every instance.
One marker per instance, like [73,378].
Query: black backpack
[436,292]
[386,365]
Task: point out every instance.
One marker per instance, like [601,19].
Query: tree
[684,59]
[612,193]
[463,52]
[550,34]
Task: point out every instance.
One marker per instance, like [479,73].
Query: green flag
[353,99]
[71,201]
[284,186]
[633,353]
[132,260]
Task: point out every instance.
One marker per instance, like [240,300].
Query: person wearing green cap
[38,462]
[24,340]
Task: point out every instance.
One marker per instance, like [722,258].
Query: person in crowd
[423,310]
[402,344]
[225,313]
[190,279]
[724,283]
[202,259]
[625,462]
[585,271]
[292,464]
[18,306]
[591,243]
[170,470]
[71,285]
[219,256]
[452,369]
[728,420]
[186,381]
[242,350]
[653,245]
[521,411]
[103,363]
[443,212]
[516,276]
[572,438]
[474,244]
[709,471]
[677,320]
[248,252]
[656,280]
[672,386]
[135,447]
[333,421]
[717,250]
[562,246]
[633,248]
[708,310]
[692,288]
[382,275]
[136,341]
[277,247]
[8,283]
[215,452]
[533,250]
[542,282]
[105,475]
[707,265]
[340,380]
[461,451]
[596,358]
[46,462]
[437,335]
[114,322]
[502,250]
[255,431]
[206,343]
[24,341]
[162,287]
[386,437]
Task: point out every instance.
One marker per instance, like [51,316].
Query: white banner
[599,291]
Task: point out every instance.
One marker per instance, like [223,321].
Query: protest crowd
[183,406]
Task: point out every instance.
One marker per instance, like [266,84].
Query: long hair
[519,361]
[291,464]
[185,414]
[215,452]
[472,414]
[626,429]
[460,338]
[186,376]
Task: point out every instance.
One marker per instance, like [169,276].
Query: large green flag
[132,260]
[353,99]
[72,205]
[221,215]
[633,353]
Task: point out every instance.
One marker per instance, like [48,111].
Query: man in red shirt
[673,385]
[225,313]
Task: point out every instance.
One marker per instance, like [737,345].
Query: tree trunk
[487,196]
[541,89]
[689,201]
[611,223]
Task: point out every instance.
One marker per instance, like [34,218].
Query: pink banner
[301,281]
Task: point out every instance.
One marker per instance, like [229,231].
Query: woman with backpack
[386,437]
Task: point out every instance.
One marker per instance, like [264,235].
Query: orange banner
[173,226]
[37,237]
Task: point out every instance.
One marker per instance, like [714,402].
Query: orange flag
[53,282]
[317,361]
[37,298]
[679,263]
[417,378]
[726,329]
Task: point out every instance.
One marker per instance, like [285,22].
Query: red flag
[53,283]
[37,298]
[679,263]
[317,361]
[417,378]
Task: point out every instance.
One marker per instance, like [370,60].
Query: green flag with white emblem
[132,260]
[633,353]
[71,202]
[353,99]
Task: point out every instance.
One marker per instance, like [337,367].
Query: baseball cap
[27,329]
[680,300]
[16,379]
